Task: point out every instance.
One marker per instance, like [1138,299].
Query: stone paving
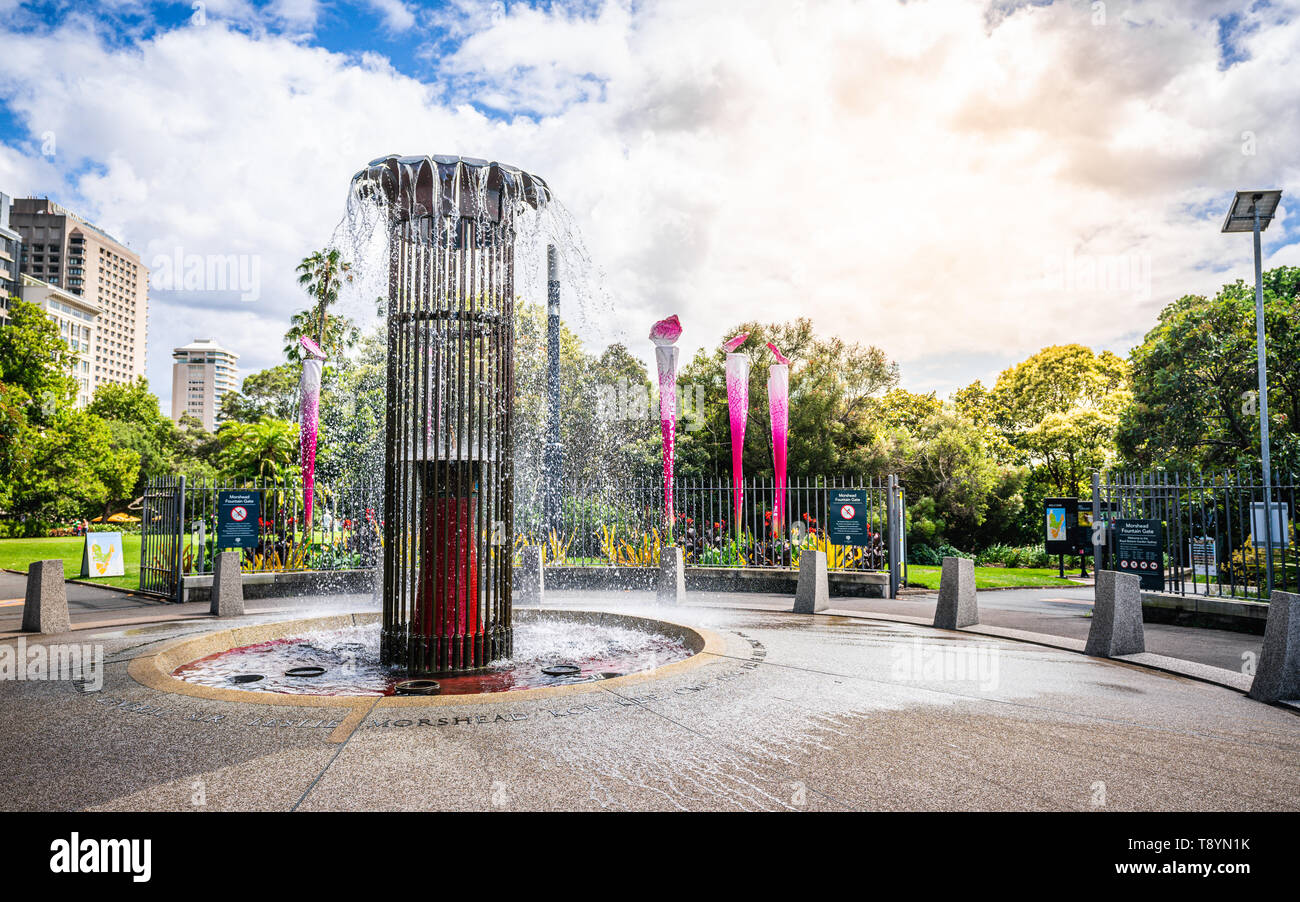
[790,712]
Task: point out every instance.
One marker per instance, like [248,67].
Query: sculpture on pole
[309,422]
[664,334]
[778,400]
[738,403]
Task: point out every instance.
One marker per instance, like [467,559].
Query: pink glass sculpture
[309,422]
[664,334]
[778,399]
[738,403]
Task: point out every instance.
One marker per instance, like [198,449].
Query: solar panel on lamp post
[1252,211]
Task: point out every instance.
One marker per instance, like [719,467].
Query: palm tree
[339,335]
[322,274]
[262,449]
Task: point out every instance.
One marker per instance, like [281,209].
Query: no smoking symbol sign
[239,514]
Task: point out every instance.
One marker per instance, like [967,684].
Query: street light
[1252,211]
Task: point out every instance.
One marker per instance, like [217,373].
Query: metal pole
[554,455]
[1097,532]
[180,541]
[1263,410]
[891,513]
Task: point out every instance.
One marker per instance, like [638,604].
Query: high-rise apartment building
[202,373]
[11,244]
[63,250]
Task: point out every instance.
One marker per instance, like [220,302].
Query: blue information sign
[847,520]
[237,514]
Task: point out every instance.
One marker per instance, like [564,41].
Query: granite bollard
[670,588]
[45,608]
[812,592]
[227,585]
[1116,616]
[532,576]
[957,605]
[1277,675]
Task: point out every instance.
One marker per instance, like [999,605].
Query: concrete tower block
[1278,674]
[227,585]
[670,586]
[46,607]
[1116,616]
[531,584]
[812,594]
[957,605]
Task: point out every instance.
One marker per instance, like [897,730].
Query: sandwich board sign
[848,523]
[102,555]
[238,512]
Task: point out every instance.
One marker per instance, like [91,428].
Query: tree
[340,334]
[322,274]
[262,450]
[37,361]
[137,424]
[71,471]
[267,393]
[1058,412]
[1195,380]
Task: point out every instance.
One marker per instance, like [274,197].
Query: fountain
[448,472]
[447,624]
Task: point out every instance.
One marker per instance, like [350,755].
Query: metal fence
[622,522]
[1213,528]
[179,529]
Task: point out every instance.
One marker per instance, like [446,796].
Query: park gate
[161,537]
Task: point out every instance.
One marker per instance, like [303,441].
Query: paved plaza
[851,710]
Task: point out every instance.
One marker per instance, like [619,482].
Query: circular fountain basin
[339,656]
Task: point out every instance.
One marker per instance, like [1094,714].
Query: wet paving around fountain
[787,713]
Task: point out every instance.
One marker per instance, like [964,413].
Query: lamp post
[1252,211]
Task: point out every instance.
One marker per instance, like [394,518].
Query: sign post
[1140,549]
[238,512]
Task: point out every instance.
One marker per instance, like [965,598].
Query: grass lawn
[16,554]
[990,577]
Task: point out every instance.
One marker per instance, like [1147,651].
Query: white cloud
[907,174]
[397,16]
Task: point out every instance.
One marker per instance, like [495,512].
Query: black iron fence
[179,529]
[1213,528]
[617,523]
[623,523]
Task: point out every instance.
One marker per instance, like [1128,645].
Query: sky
[959,183]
